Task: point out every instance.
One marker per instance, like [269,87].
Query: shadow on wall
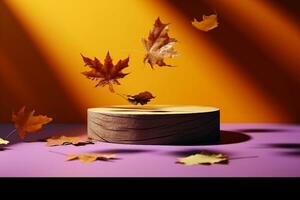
[267,75]
[25,76]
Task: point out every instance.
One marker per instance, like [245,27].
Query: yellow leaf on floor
[205,158]
[4,142]
[90,157]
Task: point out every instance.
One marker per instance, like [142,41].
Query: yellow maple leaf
[65,140]
[90,157]
[2,141]
[205,158]
[208,23]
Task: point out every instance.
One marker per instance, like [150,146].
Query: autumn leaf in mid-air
[205,158]
[91,157]
[208,23]
[3,142]
[106,73]
[159,45]
[65,140]
[141,98]
[25,121]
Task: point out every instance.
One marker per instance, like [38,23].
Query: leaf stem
[10,133]
[242,157]
[124,96]
[111,88]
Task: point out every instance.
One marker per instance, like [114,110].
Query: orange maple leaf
[25,121]
[159,45]
[90,157]
[107,73]
[65,140]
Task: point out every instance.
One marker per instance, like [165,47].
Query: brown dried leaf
[65,140]
[141,98]
[204,158]
[107,73]
[25,121]
[3,142]
[208,23]
[90,157]
[159,45]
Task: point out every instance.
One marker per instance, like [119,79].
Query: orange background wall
[249,66]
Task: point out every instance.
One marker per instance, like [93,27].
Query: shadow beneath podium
[123,151]
[226,137]
[232,137]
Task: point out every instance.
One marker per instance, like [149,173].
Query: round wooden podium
[160,124]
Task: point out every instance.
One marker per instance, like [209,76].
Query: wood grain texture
[154,124]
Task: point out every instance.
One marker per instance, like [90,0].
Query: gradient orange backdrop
[248,67]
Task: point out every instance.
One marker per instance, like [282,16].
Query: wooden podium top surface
[153,109]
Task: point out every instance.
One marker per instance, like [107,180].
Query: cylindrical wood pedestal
[154,124]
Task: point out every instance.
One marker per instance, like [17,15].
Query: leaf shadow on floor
[291,153]
[4,148]
[290,149]
[124,151]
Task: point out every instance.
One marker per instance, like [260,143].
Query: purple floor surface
[256,150]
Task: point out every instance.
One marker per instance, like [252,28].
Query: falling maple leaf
[65,140]
[208,23]
[90,157]
[107,73]
[3,142]
[141,98]
[159,45]
[205,158]
[25,121]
